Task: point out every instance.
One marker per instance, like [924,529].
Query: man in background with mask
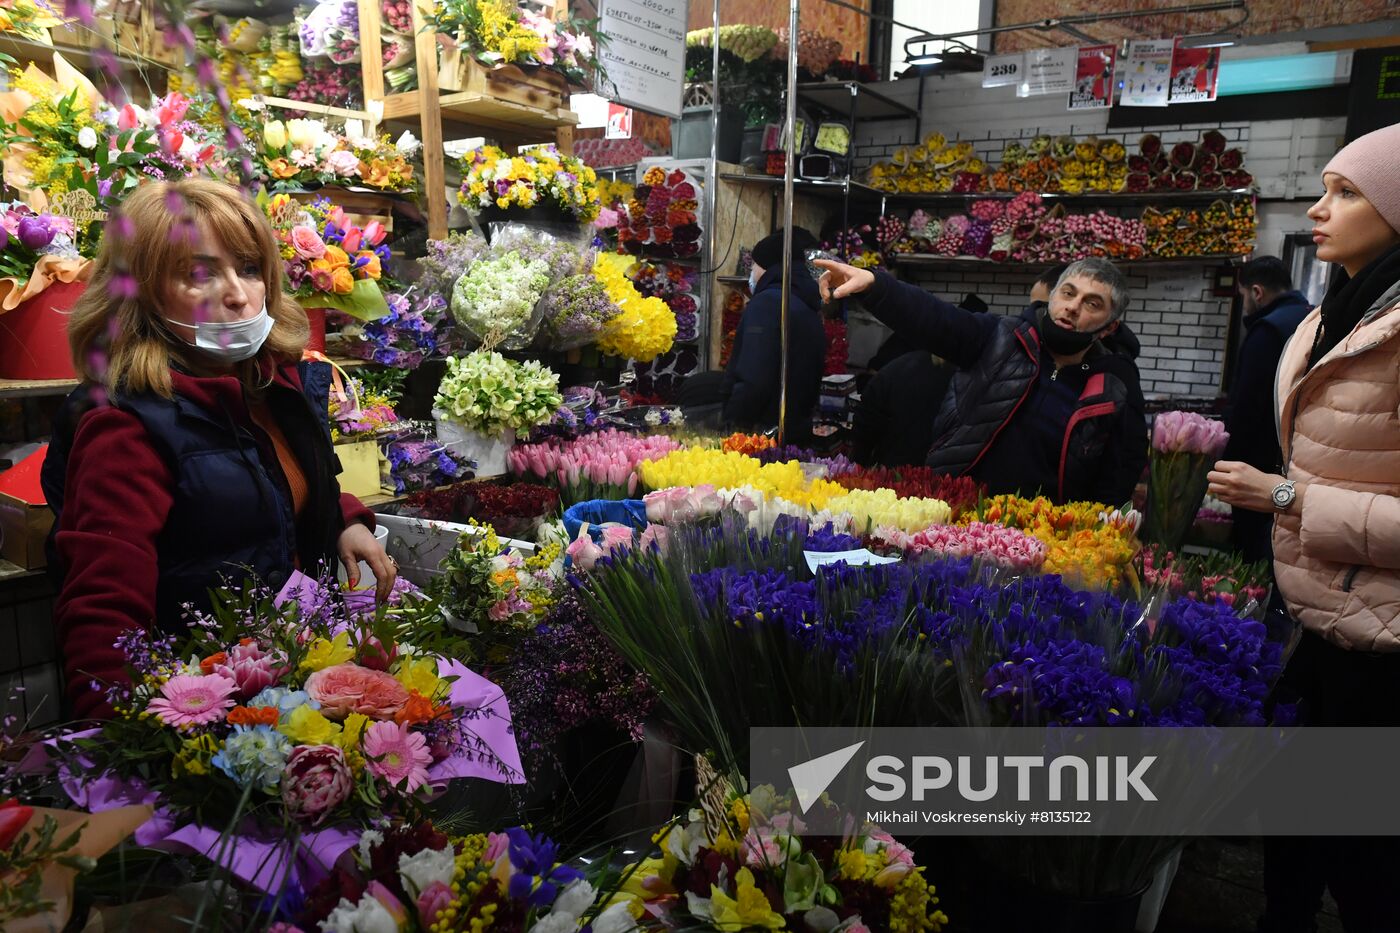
[1036,405]
[753,377]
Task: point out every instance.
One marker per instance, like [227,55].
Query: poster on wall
[1093,78]
[1048,71]
[1195,73]
[644,56]
[1147,73]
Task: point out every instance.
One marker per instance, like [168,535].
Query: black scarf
[1348,299]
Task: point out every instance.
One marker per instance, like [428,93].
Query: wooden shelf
[29,50]
[22,388]
[471,110]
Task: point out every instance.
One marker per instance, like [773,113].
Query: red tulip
[373,234]
[128,119]
[14,816]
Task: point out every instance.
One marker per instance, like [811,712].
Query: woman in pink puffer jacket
[1337,518]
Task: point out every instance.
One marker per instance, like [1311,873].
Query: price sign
[1001,70]
[645,53]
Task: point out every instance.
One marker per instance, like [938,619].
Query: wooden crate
[542,89]
[153,42]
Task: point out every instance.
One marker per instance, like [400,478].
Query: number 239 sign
[1000,70]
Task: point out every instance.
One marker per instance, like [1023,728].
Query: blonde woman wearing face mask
[197,450]
[1337,517]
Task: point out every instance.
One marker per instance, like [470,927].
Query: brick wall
[1182,326]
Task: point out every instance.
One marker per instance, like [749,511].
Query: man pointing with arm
[1037,405]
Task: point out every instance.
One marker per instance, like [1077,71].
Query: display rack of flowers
[553,185]
[330,29]
[662,217]
[514,53]
[297,153]
[674,284]
[612,153]
[934,166]
[485,399]
[1222,229]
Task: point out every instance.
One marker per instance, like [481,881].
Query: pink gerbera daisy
[193,700]
[398,755]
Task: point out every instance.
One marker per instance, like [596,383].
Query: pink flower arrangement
[399,756]
[315,780]
[595,466]
[682,503]
[193,700]
[1007,547]
[343,689]
[1188,432]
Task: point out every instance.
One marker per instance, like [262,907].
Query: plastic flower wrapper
[564,252]
[416,328]
[418,460]
[1184,446]
[285,714]
[440,269]
[496,301]
[577,309]
[488,393]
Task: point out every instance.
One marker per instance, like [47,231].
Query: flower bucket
[34,336]
[490,452]
[316,317]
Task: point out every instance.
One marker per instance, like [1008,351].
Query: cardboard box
[25,518]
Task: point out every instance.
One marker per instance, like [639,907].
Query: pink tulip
[373,233]
[128,118]
[172,109]
[351,243]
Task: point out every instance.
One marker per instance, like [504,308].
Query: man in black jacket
[1036,406]
[1272,311]
[754,374]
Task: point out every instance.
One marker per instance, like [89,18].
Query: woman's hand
[1242,485]
[842,281]
[357,543]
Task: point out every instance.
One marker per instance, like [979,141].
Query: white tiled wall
[1182,326]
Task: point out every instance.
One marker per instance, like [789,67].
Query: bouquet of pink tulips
[595,466]
[1184,447]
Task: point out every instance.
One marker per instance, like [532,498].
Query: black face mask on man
[1061,340]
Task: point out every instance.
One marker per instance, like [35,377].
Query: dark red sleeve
[116,500]
[353,510]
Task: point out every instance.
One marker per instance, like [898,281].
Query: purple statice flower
[576,308]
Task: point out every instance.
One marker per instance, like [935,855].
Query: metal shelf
[836,97]
[834,189]
[1145,198]
[925,259]
[732,279]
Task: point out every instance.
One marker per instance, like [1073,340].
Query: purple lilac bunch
[576,309]
[563,677]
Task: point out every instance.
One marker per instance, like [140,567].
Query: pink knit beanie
[1372,163]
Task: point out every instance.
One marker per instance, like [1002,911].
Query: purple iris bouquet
[416,328]
[417,460]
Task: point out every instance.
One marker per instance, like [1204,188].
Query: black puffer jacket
[1010,418]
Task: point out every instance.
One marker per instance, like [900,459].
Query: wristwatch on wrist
[1284,494]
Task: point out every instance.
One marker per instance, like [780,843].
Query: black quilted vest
[231,519]
[982,400]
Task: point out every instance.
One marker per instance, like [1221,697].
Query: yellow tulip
[274,135]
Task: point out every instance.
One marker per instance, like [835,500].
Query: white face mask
[232,341]
[754,276]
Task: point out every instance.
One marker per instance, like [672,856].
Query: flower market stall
[543,724]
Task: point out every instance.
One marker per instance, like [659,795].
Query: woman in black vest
[197,450]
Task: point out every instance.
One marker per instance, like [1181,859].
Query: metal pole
[711,196]
[790,157]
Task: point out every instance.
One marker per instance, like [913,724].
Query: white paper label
[857,558]
[1048,71]
[1001,70]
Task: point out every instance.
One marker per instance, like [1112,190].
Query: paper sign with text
[1148,73]
[1048,71]
[645,53]
[1001,70]
[1195,73]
